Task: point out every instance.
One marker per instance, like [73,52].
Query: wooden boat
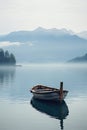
[49,93]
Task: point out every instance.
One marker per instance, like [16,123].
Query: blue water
[19,111]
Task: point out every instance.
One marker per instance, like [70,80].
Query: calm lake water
[18,109]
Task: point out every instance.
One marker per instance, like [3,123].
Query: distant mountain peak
[43,35]
[40,29]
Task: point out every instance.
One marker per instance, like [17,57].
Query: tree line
[7,58]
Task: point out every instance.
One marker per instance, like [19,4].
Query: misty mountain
[41,34]
[79,59]
[83,34]
[44,45]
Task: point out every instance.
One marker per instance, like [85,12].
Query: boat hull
[55,96]
[48,93]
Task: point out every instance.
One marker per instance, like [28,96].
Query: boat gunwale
[50,90]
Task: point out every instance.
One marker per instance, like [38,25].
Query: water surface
[18,109]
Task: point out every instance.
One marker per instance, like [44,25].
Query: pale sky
[30,14]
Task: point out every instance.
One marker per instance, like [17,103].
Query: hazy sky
[29,14]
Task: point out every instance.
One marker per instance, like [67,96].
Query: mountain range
[44,45]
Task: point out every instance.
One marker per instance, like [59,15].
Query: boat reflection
[55,110]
